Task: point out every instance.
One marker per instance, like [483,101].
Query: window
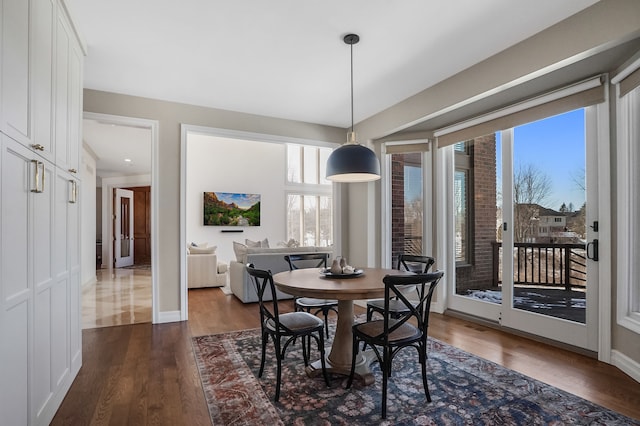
[628,177]
[461,185]
[407,229]
[309,196]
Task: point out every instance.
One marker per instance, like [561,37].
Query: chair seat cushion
[309,302]
[394,305]
[297,321]
[371,329]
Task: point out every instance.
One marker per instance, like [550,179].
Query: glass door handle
[594,248]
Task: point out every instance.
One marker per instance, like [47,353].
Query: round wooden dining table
[312,283]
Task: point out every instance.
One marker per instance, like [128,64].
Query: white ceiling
[113,144]
[286,58]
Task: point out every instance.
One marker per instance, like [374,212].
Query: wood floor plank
[146,374]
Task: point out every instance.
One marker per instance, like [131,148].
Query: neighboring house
[544,225]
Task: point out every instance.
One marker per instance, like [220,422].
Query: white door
[529,262]
[123,227]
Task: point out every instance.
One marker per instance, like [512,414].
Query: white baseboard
[169,316]
[626,364]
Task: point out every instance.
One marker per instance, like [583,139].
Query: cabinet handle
[73,171]
[37,147]
[43,176]
[73,193]
[39,180]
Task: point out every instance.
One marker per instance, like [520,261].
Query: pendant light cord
[351,88]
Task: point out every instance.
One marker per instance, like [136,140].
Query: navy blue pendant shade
[353,163]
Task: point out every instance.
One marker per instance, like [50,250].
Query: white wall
[217,164]
[88,218]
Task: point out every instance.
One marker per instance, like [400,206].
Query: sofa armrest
[203,271]
[237,274]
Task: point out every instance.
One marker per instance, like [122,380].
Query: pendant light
[352,162]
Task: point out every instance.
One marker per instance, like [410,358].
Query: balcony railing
[544,264]
[413,245]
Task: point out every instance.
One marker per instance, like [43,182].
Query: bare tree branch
[531,188]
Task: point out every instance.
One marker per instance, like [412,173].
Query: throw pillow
[202,250]
[250,243]
[240,250]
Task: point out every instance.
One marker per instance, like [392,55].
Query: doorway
[524,227]
[132,227]
[126,162]
[123,228]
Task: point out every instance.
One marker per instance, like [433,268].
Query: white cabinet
[68,98]
[15,70]
[26,74]
[16,200]
[40,134]
[43,27]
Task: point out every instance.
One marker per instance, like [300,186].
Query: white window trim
[310,189]
[628,154]
[427,215]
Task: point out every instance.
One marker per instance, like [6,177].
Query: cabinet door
[43,280]
[14,92]
[75,106]
[62,92]
[60,351]
[16,300]
[75,298]
[68,96]
[42,35]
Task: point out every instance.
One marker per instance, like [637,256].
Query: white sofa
[268,259]
[204,270]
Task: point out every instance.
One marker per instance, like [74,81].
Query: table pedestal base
[339,358]
[362,369]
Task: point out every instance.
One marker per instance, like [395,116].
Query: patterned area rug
[465,389]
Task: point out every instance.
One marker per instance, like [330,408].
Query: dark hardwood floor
[145,374]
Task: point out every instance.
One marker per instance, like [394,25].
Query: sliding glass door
[522,234]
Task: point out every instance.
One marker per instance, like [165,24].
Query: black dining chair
[290,326]
[310,304]
[406,262]
[387,336]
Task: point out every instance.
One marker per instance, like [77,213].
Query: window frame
[303,189]
[387,149]
[628,203]
[463,162]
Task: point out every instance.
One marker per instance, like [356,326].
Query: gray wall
[170,116]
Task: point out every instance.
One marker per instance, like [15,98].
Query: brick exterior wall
[397,206]
[399,229]
[479,273]
[482,204]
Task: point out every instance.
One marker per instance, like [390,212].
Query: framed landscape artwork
[231,209]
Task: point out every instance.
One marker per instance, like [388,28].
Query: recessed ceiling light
[127,160]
